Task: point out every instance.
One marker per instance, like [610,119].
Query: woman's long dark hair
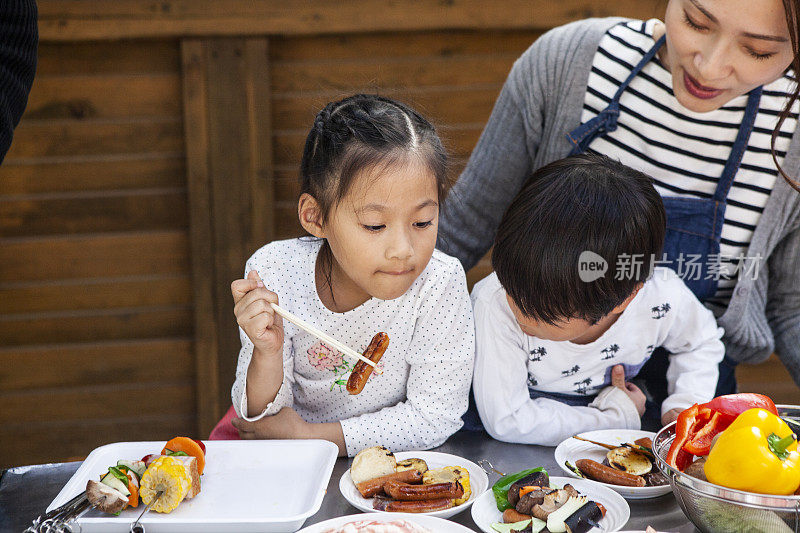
[791,7]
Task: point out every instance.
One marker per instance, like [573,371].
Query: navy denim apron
[694,225]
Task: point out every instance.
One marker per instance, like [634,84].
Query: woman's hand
[255,315]
[634,393]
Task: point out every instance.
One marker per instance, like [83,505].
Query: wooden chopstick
[302,324]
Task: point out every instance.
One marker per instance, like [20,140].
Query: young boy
[572,309]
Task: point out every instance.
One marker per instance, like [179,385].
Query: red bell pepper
[698,425]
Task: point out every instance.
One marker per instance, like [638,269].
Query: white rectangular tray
[251,485]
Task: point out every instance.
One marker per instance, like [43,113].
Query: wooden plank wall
[95,286]
[147,169]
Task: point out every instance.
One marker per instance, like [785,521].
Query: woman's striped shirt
[685,151]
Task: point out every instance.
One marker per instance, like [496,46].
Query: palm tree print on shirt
[537,353]
[660,311]
[610,352]
[582,385]
[571,371]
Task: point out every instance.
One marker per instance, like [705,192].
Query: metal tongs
[60,519]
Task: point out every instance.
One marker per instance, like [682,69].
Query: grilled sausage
[361,372]
[606,474]
[425,506]
[433,491]
[371,487]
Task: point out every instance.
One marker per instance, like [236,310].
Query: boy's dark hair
[587,202]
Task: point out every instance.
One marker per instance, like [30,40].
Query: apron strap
[739,146]
[606,120]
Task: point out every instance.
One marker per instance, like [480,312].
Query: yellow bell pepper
[757,453]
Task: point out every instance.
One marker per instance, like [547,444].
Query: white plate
[573,449]
[485,513]
[437,525]
[249,485]
[478,482]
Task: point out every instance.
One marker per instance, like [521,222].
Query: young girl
[373,177]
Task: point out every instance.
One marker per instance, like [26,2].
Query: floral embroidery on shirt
[323,357]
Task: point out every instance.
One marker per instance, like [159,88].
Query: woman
[704,102]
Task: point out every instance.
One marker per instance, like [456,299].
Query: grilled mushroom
[105,498]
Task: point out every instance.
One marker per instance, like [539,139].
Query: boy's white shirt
[418,401]
[664,313]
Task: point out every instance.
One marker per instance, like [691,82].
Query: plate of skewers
[620,459]
[189,486]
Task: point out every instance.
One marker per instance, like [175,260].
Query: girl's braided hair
[365,132]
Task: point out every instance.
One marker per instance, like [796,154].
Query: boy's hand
[255,315]
[670,416]
[634,393]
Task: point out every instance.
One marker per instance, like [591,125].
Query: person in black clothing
[19,39]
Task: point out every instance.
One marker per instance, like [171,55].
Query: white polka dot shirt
[418,400]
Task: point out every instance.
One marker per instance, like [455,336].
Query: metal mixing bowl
[715,509]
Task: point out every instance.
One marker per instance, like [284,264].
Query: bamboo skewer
[639,448]
[302,324]
[606,446]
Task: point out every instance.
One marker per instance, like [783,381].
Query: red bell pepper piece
[732,405]
[700,442]
[676,456]
[200,443]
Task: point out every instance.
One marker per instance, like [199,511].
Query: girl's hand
[634,393]
[255,315]
[286,424]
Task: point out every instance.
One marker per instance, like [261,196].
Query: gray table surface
[25,492]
